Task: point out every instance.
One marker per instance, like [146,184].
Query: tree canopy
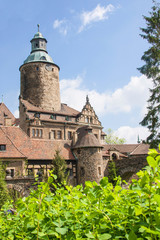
[111,138]
[151,69]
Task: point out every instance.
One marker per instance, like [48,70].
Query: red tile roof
[132,149]
[18,144]
[65,110]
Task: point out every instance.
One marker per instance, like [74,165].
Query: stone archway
[128,174]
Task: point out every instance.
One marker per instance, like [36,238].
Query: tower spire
[38,27]
[87,99]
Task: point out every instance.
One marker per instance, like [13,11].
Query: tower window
[43,58]
[82,171]
[37,68]
[99,171]
[2,147]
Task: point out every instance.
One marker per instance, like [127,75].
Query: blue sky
[98,48]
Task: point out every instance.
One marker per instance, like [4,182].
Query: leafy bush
[96,212]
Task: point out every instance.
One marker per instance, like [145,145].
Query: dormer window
[53,117]
[43,58]
[2,147]
[67,118]
[37,115]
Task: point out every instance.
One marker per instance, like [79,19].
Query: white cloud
[97,14]
[16,113]
[131,134]
[123,100]
[61,25]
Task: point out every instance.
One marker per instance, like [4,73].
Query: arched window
[114,156]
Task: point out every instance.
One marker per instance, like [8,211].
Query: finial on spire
[2,98]
[87,99]
[38,27]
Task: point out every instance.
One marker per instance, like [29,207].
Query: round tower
[88,151]
[40,77]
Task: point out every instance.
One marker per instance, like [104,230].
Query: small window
[52,69]
[87,119]
[3,147]
[37,133]
[82,171]
[37,68]
[12,172]
[59,134]
[114,156]
[69,135]
[33,132]
[43,58]
[67,118]
[53,117]
[99,171]
[40,133]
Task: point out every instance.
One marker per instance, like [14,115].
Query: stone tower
[40,77]
[88,151]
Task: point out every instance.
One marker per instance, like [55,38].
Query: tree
[3,186]
[111,138]
[59,168]
[151,69]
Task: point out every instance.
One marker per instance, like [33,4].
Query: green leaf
[50,180]
[138,211]
[62,231]
[90,235]
[151,161]
[157,198]
[104,236]
[132,236]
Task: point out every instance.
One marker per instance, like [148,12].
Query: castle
[45,125]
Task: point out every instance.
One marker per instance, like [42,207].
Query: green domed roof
[39,56]
[38,35]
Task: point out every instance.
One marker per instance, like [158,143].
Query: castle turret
[40,77]
[88,151]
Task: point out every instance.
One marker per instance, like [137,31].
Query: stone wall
[40,85]
[128,167]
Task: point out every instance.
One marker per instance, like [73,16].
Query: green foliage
[59,168]
[111,138]
[99,211]
[151,69]
[3,187]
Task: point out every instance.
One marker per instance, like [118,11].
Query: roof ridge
[12,142]
[135,148]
